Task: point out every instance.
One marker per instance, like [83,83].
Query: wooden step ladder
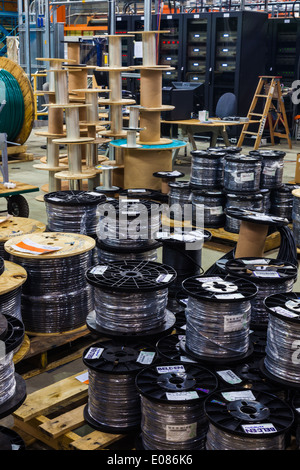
[268,89]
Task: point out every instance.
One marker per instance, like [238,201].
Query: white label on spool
[136,190]
[164,278]
[180,433]
[256,261]
[98,269]
[94,353]
[269,171]
[186,359]
[210,279]
[246,177]
[229,296]
[53,198]
[266,274]
[216,210]
[233,322]
[238,395]
[178,396]
[266,428]
[229,376]
[29,246]
[145,357]
[91,193]
[170,369]
[283,311]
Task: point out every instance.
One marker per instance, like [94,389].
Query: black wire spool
[12,385]
[242,173]
[73,211]
[204,169]
[243,201]
[128,223]
[55,296]
[183,251]
[179,200]
[107,254]
[210,204]
[256,217]
[10,440]
[218,318]
[113,401]
[171,348]
[272,167]
[172,397]
[282,360]
[266,194]
[144,193]
[282,201]
[269,275]
[130,299]
[247,420]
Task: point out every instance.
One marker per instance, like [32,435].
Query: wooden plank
[68,421]
[95,440]
[32,428]
[48,399]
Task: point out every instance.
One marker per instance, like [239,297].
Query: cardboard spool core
[251,241]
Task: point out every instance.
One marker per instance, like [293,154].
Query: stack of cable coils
[107,254]
[296,216]
[242,173]
[271,168]
[218,317]
[183,251]
[282,201]
[269,275]
[205,169]
[10,440]
[128,223]
[208,208]
[247,420]
[12,277]
[252,201]
[55,296]
[12,385]
[172,397]
[73,211]
[113,401]
[130,298]
[282,361]
[180,204]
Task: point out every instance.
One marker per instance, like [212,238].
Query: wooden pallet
[52,415]
[47,353]
[18,153]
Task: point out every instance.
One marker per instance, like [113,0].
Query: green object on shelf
[12,114]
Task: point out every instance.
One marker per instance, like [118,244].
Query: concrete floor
[24,172]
